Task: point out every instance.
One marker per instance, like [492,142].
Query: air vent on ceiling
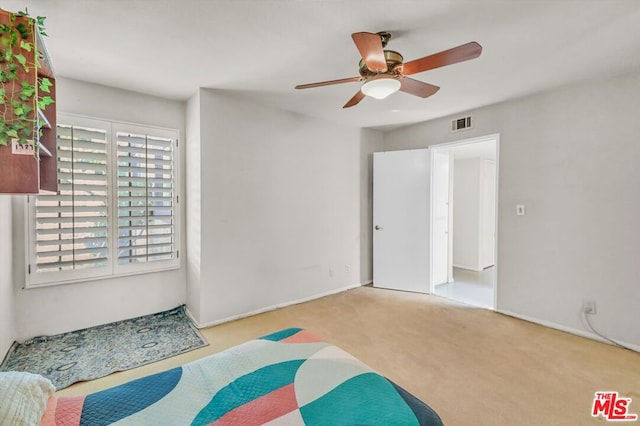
[462,123]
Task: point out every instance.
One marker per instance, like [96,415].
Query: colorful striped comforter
[290,377]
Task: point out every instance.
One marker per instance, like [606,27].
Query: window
[116,211]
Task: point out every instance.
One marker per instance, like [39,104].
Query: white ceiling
[261,49]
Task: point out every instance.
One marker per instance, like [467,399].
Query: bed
[286,378]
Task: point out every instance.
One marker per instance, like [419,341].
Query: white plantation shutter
[72,228]
[116,208]
[146,208]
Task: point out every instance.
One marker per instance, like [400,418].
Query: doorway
[464,220]
[420,243]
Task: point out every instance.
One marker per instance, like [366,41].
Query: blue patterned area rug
[98,351]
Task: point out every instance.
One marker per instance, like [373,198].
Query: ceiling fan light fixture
[381,87]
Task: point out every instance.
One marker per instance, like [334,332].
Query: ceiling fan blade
[447,57]
[327,83]
[370,47]
[355,100]
[417,88]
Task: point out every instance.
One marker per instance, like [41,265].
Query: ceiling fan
[384,72]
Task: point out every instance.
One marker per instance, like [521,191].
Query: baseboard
[571,330]
[273,307]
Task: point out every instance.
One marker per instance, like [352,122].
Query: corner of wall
[194,205]
[7,298]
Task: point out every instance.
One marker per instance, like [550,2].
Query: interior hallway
[470,287]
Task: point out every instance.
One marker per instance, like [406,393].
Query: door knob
[378,228]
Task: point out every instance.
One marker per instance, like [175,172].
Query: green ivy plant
[20,97]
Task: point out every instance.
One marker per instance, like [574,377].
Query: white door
[440,211]
[401,197]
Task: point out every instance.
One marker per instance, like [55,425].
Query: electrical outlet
[347,268]
[589,307]
[331,272]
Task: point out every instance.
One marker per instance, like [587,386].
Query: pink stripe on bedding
[68,411]
[261,410]
[49,419]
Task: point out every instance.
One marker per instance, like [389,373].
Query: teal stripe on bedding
[367,399]
[247,388]
[110,405]
[281,335]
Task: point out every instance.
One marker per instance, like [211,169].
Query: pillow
[23,398]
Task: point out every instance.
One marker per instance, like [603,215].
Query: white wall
[68,307]
[571,156]
[279,210]
[466,213]
[7,324]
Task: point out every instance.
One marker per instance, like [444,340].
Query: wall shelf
[43,151]
[32,173]
[43,121]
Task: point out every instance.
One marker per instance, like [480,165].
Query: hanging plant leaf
[45,84]
[47,100]
[22,112]
[26,46]
[27,91]
[12,71]
[23,30]
[40,22]
[22,60]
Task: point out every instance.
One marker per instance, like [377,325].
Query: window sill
[33,286]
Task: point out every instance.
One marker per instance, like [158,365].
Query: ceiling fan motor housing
[394,65]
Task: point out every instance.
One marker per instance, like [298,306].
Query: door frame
[447,146]
[435,166]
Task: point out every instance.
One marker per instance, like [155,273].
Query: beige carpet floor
[473,366]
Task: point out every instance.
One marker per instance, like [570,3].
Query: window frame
[35,279]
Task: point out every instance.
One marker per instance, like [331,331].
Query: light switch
[520,209]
